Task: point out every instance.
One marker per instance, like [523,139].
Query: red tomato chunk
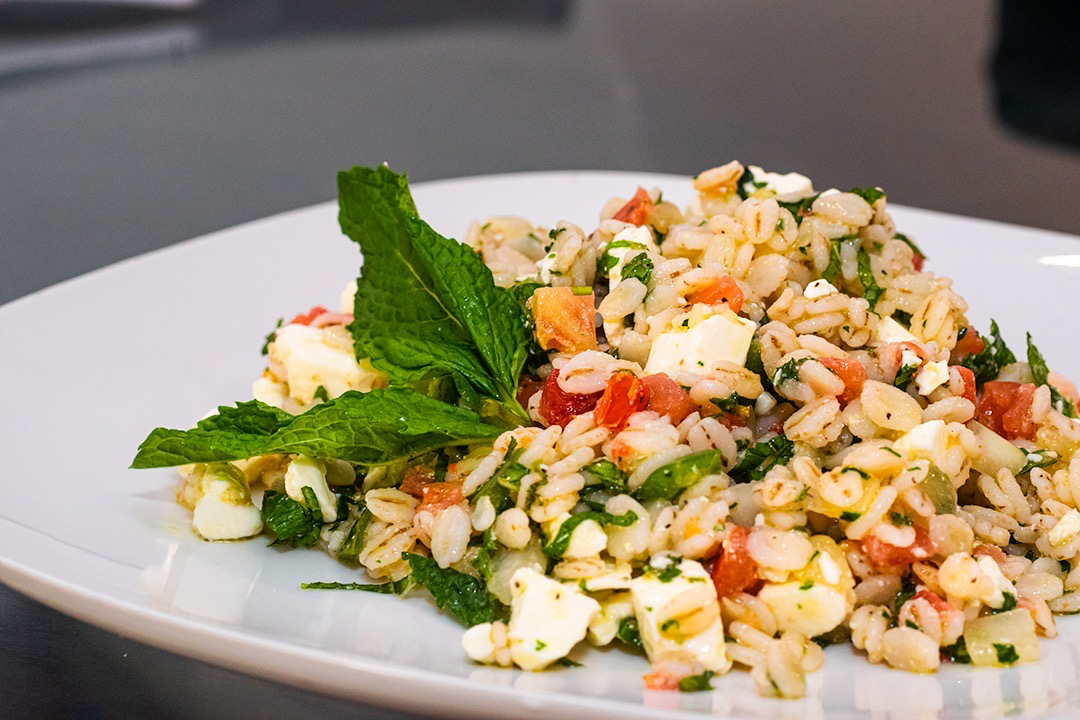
[1005,408]
[666,397]
[884,555]
[722,290]
[558,407]
[734,570]
[637,209]
[851,372]
[564,321]
[309,316]
[625,395]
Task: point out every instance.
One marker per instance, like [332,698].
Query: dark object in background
[1036,69]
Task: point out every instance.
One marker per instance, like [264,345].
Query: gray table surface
[123,130]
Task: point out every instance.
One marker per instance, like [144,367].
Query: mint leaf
[1038,459]
[905,375]
[788,371]
[463,596]
[558,545]
[833,268]
[369,428]
[759,458]
[349,552]
[399,587]
[426,305]
[1041,373]
[290,522]
[668,481]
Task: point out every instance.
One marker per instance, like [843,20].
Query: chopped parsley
[799,208]
[1006,653]
[558,545]
[1038,459]
[988,363]
[639,267]
[850,516]
[872,292]
[905,375]
[629,633]
[957,652]
[761,457]
[1041,373]
[870,194]
[807,585]
[665,574]
[900,519]
[910,243]
[271,337]
[697,683]
[788,371]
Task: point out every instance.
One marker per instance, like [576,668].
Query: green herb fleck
[697,683]
[640,267]
[761,457]
[1006,653]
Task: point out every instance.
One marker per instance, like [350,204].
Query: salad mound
[725,435]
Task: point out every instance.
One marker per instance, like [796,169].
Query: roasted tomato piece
[625,395]
[1005,408]
[969,344]
[851,372]
[527,387]
[558,407]
[438,496]
[661,680]
[666,397]
[635,211]
[917,261]
[885,555]
[723,289]
[309,316]
[734,570]
[564,321]
[415,479]
[968,378]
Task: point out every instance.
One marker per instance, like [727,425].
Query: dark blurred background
[125,127]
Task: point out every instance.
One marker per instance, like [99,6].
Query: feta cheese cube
[680,619]
[587,540]
[932,376]
[818,289]
[1065,530]
[310,362]
[787,185]
[547,619]
[890,331]
[995,596]
[806,607]
[626,242]
[928,441]
[223,510]
[348,298]
[722,335]
[605,624]
[308,472]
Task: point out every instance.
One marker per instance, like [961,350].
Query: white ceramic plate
[90,366]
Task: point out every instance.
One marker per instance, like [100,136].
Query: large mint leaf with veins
[369,428]
[426,305]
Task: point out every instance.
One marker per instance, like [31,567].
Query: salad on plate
[725,435]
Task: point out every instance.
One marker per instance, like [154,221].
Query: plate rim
[243,651]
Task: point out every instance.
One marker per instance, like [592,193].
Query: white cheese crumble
[308,472]
[890,331]
[932,376]
[224,510]
[818,289]
[809,608]
[722,335]
[1066,529]
[995,597]
[787,185]
[680,618]
[547,619]
[928,441]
